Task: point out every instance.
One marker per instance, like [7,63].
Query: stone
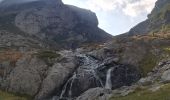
[95,94]
[27,76]
[56,77]
[166,76]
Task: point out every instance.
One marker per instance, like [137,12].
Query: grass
[162,94]
[160,15]
[47,56]
[10,96]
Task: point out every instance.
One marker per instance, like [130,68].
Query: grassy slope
[9,96]
[162,94]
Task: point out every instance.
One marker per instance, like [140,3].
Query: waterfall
[108,84]
[88,67]
[65,86]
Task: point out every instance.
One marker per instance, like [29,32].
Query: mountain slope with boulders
[57,24]
[53,51]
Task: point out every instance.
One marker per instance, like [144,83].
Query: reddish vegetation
[10,55]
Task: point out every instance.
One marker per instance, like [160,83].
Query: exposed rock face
[62,25]
[68,77]
[20,42]
[27,76]
[56,77]
[158,20]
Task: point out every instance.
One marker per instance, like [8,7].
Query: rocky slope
[158,21]
[33,65]
[57,24]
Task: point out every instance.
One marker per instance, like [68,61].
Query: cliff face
[61,25]
[158,21]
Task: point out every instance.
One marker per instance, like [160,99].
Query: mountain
[55,23]
[158,21]
[53,51]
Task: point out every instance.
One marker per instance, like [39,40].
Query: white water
[108,84]
[65,86]
[88,66]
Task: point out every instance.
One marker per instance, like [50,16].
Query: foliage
[10,96]
[47,56]
[148,63]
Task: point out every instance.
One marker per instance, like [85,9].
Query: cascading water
[87,67]
[65,86]
[92,73]
[108,84]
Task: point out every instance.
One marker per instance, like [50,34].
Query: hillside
[62,26]
[158,21]
[53,51]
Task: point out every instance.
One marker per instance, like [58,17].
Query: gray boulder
[166,76]
[27,76]
[57,76]
[95,94]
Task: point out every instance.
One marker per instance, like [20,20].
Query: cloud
[131,8]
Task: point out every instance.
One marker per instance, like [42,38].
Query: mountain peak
[157,22]
[62,25]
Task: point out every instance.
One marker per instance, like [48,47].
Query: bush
[48,56]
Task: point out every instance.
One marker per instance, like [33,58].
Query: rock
[153,23]
[145,81]
[56,77]
[123,91]
[166,76]
[60,24]
[155,87]
[95,94]
[27,76]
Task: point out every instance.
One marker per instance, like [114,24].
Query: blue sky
[116,16]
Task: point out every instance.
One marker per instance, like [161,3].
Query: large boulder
[57,75]
[27,76]
[166,76]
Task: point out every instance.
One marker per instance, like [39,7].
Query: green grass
[166,50]
[10,96]
[148,63]
[47,56]
[162,94]
[160,15]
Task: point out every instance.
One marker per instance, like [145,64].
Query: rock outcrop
[26,77]
[60,25]
[158,21]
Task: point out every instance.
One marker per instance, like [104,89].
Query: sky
[117,16]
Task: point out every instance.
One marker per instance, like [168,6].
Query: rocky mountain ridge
[33,65]
[60,25]
[157,22]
